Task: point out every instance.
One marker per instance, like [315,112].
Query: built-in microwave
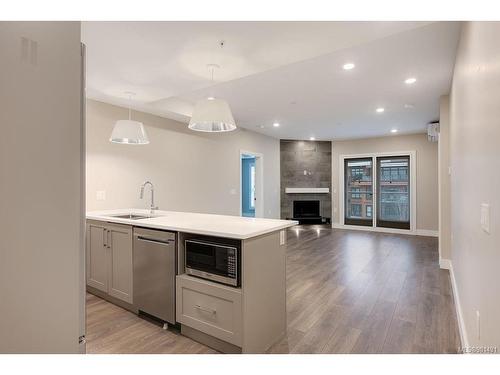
[213,261]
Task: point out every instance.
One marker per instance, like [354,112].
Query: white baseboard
[445,264]
[427,232]
[458,307]
[418,232]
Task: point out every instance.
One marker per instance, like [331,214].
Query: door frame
[259,182]
[413,191]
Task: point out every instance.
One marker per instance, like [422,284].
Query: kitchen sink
[133,216]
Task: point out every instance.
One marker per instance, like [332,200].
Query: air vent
[433,132]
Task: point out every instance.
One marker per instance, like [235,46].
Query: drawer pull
[211,311]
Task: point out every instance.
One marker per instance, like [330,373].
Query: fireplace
[307,211]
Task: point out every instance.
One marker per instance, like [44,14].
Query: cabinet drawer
[210,308]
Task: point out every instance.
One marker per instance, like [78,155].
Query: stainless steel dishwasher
[154,273]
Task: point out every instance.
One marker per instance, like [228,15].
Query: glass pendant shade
[129,132]
[212,115]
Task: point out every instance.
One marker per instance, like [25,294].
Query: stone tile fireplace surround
[306,164]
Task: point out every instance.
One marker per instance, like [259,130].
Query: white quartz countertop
[212,225]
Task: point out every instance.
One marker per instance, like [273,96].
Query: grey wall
[41,189]
[444,179]
[315,157]
[427,171]
[475,179]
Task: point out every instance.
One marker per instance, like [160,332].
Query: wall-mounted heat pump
[433,132]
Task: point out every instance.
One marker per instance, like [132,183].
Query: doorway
[358,177]
[378,191]
[251,184]
[393,192]
[248,185]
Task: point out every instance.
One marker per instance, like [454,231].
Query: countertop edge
[140,223]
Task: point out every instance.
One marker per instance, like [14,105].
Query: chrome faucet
[152,207]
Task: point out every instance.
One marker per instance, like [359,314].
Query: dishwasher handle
[154,240]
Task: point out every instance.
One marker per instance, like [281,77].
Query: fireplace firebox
[307,211]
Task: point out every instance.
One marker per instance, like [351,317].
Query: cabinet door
[97,256]
[120,265]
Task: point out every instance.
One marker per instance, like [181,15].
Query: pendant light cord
[130,107]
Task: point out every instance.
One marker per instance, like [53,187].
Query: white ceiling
[290,72]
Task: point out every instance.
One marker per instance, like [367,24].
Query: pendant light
[212,114]
[128,131]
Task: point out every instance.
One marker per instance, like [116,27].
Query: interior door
[358,191]
[393,192]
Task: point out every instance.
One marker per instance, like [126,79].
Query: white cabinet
[251,318]
[97,263]
[210,308]
[109,259]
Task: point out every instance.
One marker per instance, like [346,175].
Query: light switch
[232,191]
[101,195]
[485,217]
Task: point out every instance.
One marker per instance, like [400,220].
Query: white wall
[475,179]
[41,189]
[444,180]
[427,171]
[191,171]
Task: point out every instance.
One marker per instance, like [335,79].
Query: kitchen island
[244,318]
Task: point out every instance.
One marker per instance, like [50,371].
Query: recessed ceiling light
[410,81]
[409,106]
[276,124]
[261,126]
[312,138]
[348,66]
[380,110]
[394,130]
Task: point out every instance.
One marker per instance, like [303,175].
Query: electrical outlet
[485,217]
[478,324]
[101,195]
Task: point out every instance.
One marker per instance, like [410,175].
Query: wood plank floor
[347,292]
[113,330]
[364,292]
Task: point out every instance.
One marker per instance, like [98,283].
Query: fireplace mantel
[290,190]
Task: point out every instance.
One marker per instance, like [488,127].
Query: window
[391,190]
[357,174]
[358,190]
[355,210]
[393,187]
[355,193]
